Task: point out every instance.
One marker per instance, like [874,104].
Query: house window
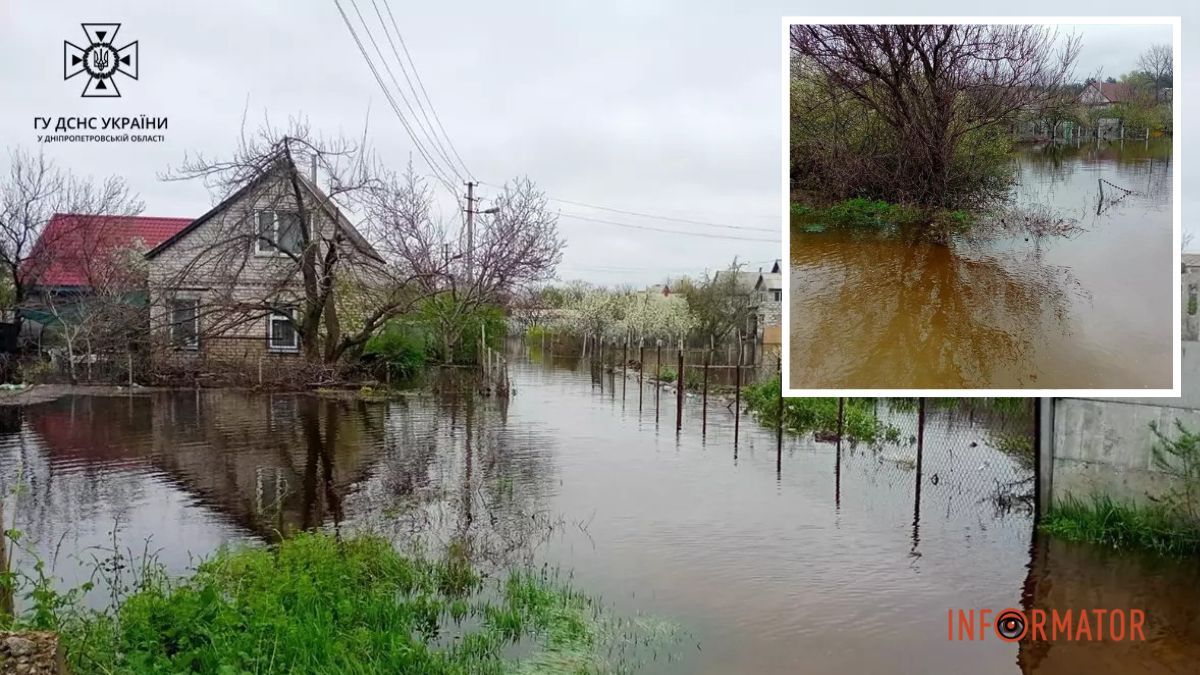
[281,332]
[185,323]
[279,233]
[777,295]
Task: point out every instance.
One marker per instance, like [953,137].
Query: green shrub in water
[818,414]
[319,604]
[403,348]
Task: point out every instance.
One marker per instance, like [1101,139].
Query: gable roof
[319,195]
[1113,92]
[743,279]
[71,242]
[772,281]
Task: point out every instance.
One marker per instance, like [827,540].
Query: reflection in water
[1064,575]
[846,560]
[918,315]
[1092,310]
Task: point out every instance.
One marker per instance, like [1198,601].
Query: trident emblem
[100,60]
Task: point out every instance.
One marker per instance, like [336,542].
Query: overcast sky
[668,108]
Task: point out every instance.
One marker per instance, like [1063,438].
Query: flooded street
[1092,309]
[825,562]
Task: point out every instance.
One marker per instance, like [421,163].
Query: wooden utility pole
[470,230]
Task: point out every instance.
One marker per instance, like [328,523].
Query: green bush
[818,414]
[402,348]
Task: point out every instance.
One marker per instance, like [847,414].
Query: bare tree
[32,193]
[932,85]
[341,285]
[516,243]
[721,303]
[1159,63]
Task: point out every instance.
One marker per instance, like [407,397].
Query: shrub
[818,414]
[402,348]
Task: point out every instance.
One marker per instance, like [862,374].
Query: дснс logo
[100,60]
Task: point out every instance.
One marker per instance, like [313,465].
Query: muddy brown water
[1091,310]
[826,562]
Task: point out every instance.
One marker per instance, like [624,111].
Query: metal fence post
[737,398]
[679,393]
[704,396]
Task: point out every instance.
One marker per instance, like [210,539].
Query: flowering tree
[634,316]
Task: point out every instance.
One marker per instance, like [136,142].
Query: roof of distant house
[745,279]
[772,281]
[1114,92]
[72,245]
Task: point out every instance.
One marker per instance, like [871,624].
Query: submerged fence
[980,449]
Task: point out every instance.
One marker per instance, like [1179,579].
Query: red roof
[73,248]
[1115,92]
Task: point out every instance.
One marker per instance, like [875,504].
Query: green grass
[875,214]
[317,604]
[818,414]
[857,213]
[1105,522]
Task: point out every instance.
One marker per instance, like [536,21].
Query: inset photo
[982,206]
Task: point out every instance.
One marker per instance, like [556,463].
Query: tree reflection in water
[872,311]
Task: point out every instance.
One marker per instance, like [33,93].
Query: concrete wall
[1103,446]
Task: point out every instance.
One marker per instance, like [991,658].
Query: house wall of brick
[217,264]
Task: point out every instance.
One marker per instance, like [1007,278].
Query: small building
[768,299]
[1100,94]
[227,285]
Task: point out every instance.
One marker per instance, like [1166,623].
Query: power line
[657,217]
[427,128]
[417,74]
[661,229]
[434,166]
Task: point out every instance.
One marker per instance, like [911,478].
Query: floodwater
[815,561]
[1090,310]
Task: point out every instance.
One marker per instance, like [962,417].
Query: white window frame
[289,316]
[274,250]
[195,343]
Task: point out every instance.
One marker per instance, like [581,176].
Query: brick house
[768,304]
[228,286]
[225,286]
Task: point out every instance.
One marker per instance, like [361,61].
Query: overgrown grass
[1103,521]
[317,604]
[874,214]
[818,414]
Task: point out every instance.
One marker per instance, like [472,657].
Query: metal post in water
[679,394]
[916,533]
[601,370]
[641,371]
[779,422]
[837,467]
[920,430]
[624,366]
[704,396]
[737,399]
[841,421]
[657,377]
